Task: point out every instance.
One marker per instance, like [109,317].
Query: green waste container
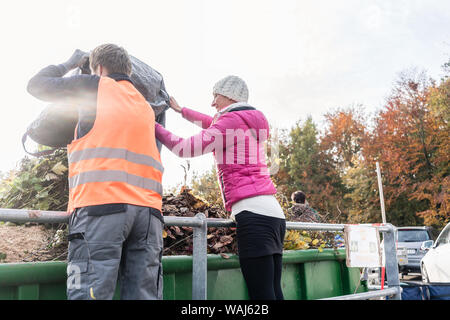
[307,275]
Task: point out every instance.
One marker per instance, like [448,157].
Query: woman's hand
[174,105]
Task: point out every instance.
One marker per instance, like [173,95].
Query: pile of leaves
[302,240]
[38,184]
[178,240]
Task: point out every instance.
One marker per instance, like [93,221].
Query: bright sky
[298,57]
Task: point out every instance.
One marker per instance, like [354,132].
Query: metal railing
[200,224]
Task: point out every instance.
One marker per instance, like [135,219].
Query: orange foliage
[411,144]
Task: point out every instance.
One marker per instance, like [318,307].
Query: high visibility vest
[117,161]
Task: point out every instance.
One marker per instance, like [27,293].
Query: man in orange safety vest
[115,175]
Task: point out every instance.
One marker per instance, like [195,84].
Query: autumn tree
[344,138]
[344,134]
[436,190]
[406,142]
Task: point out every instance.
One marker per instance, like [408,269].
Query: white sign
[362,245]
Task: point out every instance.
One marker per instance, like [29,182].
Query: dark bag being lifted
[55,126]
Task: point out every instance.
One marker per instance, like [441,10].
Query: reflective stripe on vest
[117,176]
[114,153]
[117,161]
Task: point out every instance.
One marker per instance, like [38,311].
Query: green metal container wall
[307,275]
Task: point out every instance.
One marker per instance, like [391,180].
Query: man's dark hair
[112,57]
[298,197]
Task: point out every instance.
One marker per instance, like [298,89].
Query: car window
[444,237]
[413,235]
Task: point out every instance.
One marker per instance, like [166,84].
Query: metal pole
[390,253]
[367,295]
[383,217]
[199,260]
[40,216]
[24,215]
[380,188]
[183,221]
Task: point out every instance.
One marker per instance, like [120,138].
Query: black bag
[55,125]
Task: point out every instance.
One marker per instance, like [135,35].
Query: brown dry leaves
[178,240]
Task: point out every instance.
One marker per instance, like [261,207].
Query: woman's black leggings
[263,277]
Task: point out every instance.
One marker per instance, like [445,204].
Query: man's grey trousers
[124,243]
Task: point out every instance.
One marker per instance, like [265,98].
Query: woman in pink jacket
[236,136]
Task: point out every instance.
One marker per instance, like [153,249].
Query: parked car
[435,265]
[412,238]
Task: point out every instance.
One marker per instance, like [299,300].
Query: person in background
[115,173]
[235,136]
[301,211]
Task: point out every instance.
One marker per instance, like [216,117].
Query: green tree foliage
[305,166]
[206,186]
[38,184]
[362,194]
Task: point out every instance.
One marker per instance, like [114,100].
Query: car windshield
[412,235]
[444,237]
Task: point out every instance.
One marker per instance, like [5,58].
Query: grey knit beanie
[233,88]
